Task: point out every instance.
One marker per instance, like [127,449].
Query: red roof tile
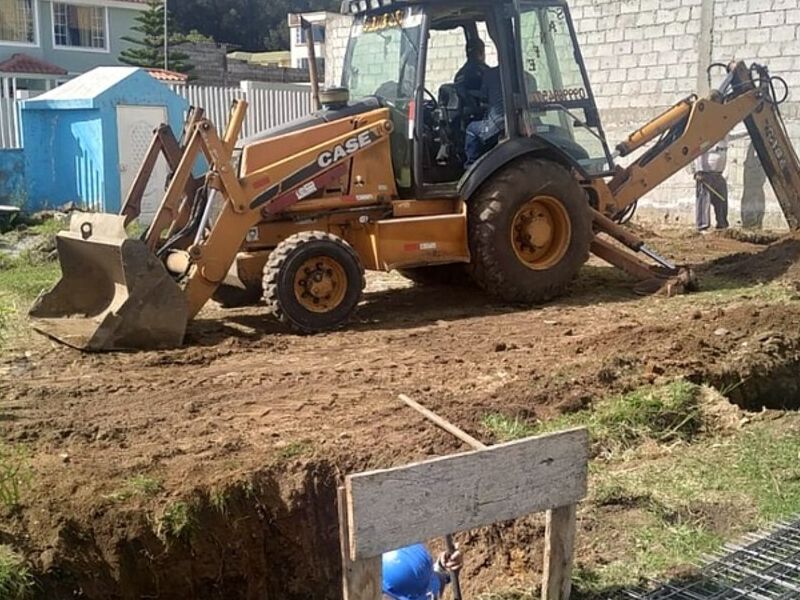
[24,64]
[169,76]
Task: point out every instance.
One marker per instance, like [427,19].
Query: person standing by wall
[712,188]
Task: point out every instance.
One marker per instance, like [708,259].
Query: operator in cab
[469,78]
[484,134]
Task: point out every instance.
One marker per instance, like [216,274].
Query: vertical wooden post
[361,579]
[558,552]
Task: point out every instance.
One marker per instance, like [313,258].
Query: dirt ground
[251,427]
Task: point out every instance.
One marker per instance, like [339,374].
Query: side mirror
[592,117]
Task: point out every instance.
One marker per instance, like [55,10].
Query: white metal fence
[270,105]
[10,135]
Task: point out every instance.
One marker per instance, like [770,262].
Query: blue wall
[12,177]
[75,60]
[64,158]
[71,144]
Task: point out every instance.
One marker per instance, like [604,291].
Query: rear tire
[530,229]
[455,274]
[313,281]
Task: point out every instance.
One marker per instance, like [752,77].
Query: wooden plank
[392,508]
[558,552]
[361,580]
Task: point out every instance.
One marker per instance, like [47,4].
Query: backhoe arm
[692,126]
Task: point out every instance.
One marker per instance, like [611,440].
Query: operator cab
[407,55]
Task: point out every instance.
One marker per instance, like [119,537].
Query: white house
[299,50]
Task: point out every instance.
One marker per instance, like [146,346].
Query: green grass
[665,506]
[49,227]
[663,414]
[506,428]
[690,502]
[15,474]
[139,485]
[715,289]
[22,279]
[16,582]
[293,450]
[177,521]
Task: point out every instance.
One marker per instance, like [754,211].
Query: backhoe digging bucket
[114,294]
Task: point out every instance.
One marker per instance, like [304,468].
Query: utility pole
[166,37]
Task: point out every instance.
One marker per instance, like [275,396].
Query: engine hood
[316,118]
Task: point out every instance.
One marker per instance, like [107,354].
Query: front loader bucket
[114,294]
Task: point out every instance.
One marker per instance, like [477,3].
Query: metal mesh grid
[763,566]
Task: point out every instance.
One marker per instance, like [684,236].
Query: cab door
[560,105]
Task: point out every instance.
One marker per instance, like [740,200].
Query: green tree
[148,47]
[251,25]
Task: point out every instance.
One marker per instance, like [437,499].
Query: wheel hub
[320,284]
[541,232]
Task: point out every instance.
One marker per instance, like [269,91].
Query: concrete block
[663,44]
[734,7]
[631,88]
[676,28]
[783,33]
[646,18]
[618,76]
[668,85]
[654,31]
[772,18]
[670,57]
[793,16]
[629,6]
[648,60]
[665,16]
[736,38]
[684,42]
[623,48]
[608,63]
[649,87]
[757,6]
[615,35]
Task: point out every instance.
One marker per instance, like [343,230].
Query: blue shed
[84,141]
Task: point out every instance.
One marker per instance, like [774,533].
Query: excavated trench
[274,537]
[767,378]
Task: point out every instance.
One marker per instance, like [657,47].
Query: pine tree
[148,50]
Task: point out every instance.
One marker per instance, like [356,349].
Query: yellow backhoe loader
[376,179]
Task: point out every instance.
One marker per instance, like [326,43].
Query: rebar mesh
[763,566]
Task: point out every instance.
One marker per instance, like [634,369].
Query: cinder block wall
[644,55]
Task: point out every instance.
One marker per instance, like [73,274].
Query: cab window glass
[558,98]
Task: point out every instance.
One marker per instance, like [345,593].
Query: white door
[135,127]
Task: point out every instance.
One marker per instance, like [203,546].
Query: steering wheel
[432,97]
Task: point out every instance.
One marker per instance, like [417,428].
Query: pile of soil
[252,427]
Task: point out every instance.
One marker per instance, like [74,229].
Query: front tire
[313,281]
[530,230]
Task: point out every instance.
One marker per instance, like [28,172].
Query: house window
[17,21]
[317,32]
[77,26]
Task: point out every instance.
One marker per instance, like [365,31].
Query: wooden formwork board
[387,509]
